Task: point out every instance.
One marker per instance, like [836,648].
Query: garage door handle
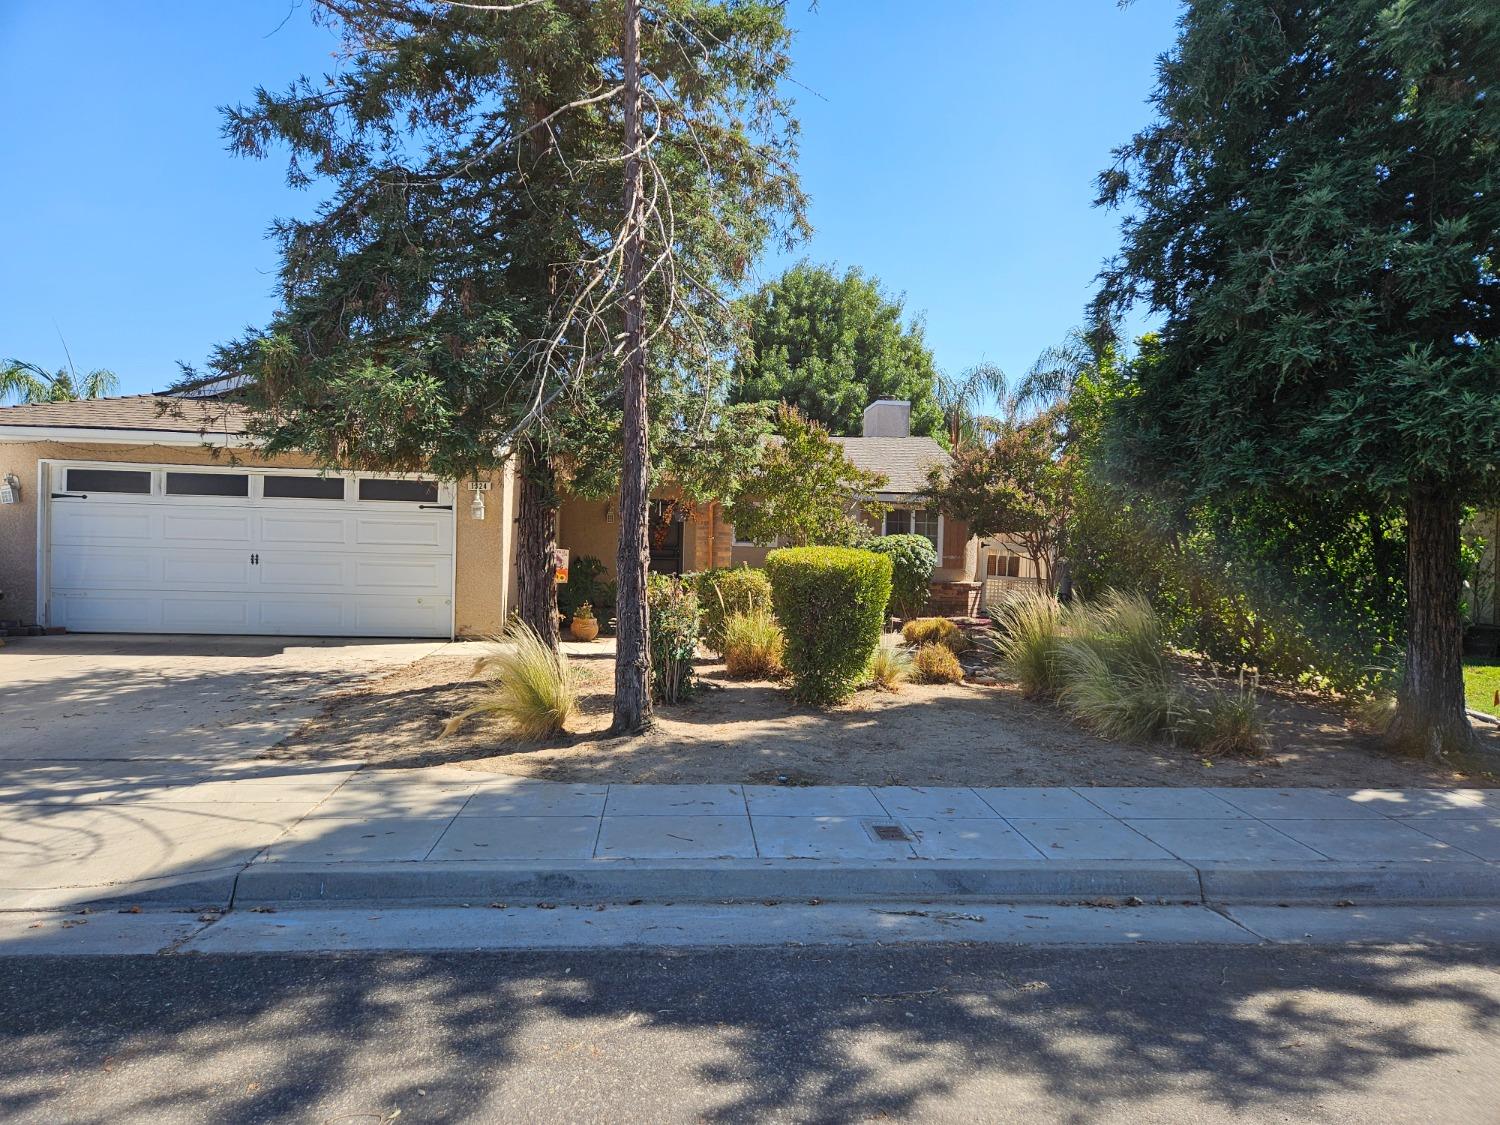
[70,496]
[439,507]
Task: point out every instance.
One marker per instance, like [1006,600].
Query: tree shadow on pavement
[808,1034]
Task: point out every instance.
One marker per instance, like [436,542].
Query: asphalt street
[822,1034]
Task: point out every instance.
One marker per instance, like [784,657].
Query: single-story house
[119,516]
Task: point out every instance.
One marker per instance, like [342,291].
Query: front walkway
[277,833]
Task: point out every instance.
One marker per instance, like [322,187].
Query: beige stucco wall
[482,576]
[588,527]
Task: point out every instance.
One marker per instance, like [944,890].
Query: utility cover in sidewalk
[889,832]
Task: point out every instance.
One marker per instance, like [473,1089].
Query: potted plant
[585,625]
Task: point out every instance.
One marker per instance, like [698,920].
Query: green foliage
[586,583]
[890,666]
[935,664]
[1029,629]
[725,591]
[933,630]
[674,638]
[29,382]
[754,645]
[1113,669]
[804,491]
[830,346]
[913,559]
[831,603]
[530,686]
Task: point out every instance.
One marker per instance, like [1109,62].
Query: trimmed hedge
[725,591]
[914,559]
[831,604]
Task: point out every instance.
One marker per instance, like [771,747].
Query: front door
[665,535]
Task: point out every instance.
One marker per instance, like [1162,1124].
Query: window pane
[208,484]
[898,522]
[305,488]
[407,491]
[109,480]
[926,523]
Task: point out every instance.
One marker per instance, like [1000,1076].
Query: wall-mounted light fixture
[10,490]
[476,506]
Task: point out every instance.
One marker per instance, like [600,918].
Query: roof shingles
[131,412]
[904,461]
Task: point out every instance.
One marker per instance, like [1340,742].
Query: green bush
[913,559]
[933,631]
[1029,630]
[936,664]
[831,603]
[674,637]
[725,591]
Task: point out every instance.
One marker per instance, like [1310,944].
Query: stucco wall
[482,575]
[588,527]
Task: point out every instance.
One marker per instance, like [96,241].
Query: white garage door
[186,549]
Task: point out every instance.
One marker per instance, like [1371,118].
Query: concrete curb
[427,884]
[1327,884]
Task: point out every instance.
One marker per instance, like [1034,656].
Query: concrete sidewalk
[331,832]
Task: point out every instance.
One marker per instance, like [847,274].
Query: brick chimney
[888,417]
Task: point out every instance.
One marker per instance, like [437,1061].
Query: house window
[1004,566]
[914,521]
[403,491]
[208,484]
[738,542]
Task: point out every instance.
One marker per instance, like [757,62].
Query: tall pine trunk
[633,626]
[1431,718]
[536,536]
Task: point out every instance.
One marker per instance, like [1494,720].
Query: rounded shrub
[933,631]
[936,664]
[831,604]
[913,559]
[725,591]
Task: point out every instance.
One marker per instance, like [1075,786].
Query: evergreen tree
[1315,217]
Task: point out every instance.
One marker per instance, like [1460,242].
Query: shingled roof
[903,461]
[131,412]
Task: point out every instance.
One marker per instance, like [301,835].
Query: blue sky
[949,149]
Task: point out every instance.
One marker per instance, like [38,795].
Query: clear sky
[949,146]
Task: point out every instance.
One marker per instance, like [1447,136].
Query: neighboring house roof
[130,412]
[903,461]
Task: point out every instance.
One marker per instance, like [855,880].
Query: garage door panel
[202,569]
[410,529]
[397,618]
[409,576]
[84,521]
[220,613]
[331,530]
[206,527]
[108,612]
[301,614]
[88,569]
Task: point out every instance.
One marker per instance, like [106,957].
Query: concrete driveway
[128,763]
[98,697]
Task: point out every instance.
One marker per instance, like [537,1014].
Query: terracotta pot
[585,628]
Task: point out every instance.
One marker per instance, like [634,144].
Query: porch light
[476,506]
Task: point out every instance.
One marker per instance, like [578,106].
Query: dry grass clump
[933,630]
[936,664]
[529,686]
[890,665]
[753,645]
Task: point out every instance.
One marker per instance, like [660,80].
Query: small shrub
[936,664]
[753,645]
[933,631]
[1028,633]
[890,665]
[831,603]
[532,688]
[724,592]
[1226,722]
[674,637]
[913,559]
[1117,702]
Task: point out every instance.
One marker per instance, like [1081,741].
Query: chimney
[888,417]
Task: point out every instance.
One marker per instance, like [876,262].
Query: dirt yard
[965,734]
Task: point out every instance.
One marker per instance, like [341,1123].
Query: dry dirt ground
[963,734]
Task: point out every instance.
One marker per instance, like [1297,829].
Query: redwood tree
[1314,216]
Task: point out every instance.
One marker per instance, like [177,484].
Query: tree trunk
[1431,717]
[536,536]
[632,560]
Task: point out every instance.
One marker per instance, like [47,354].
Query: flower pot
[585,628]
